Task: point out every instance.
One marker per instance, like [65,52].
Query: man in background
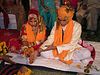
[91,11]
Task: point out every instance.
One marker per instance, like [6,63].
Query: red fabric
[36,47]
[74,3]
[11,37]
[14,42]
[0,58]
[93,54]
[23,31]
[33,11]
[89,47]
[5,34]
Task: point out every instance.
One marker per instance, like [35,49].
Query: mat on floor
[58,65]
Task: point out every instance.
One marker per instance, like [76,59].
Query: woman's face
[63,21]
[33,20]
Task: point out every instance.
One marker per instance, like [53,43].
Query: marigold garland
[3,48]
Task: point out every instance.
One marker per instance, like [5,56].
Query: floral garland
[3,48]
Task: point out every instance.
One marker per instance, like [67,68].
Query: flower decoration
[3,48]
[29,53]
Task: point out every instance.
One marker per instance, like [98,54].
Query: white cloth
[70,46]
[82,56]
[48,54]
[58,65]
[13,22]
[12,19]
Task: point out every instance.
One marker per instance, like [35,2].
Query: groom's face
[63,21]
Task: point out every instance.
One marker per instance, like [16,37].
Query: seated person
[90,10]
[81,11]
[33,33]
[62,44]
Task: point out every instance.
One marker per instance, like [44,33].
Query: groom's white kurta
[73,46]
